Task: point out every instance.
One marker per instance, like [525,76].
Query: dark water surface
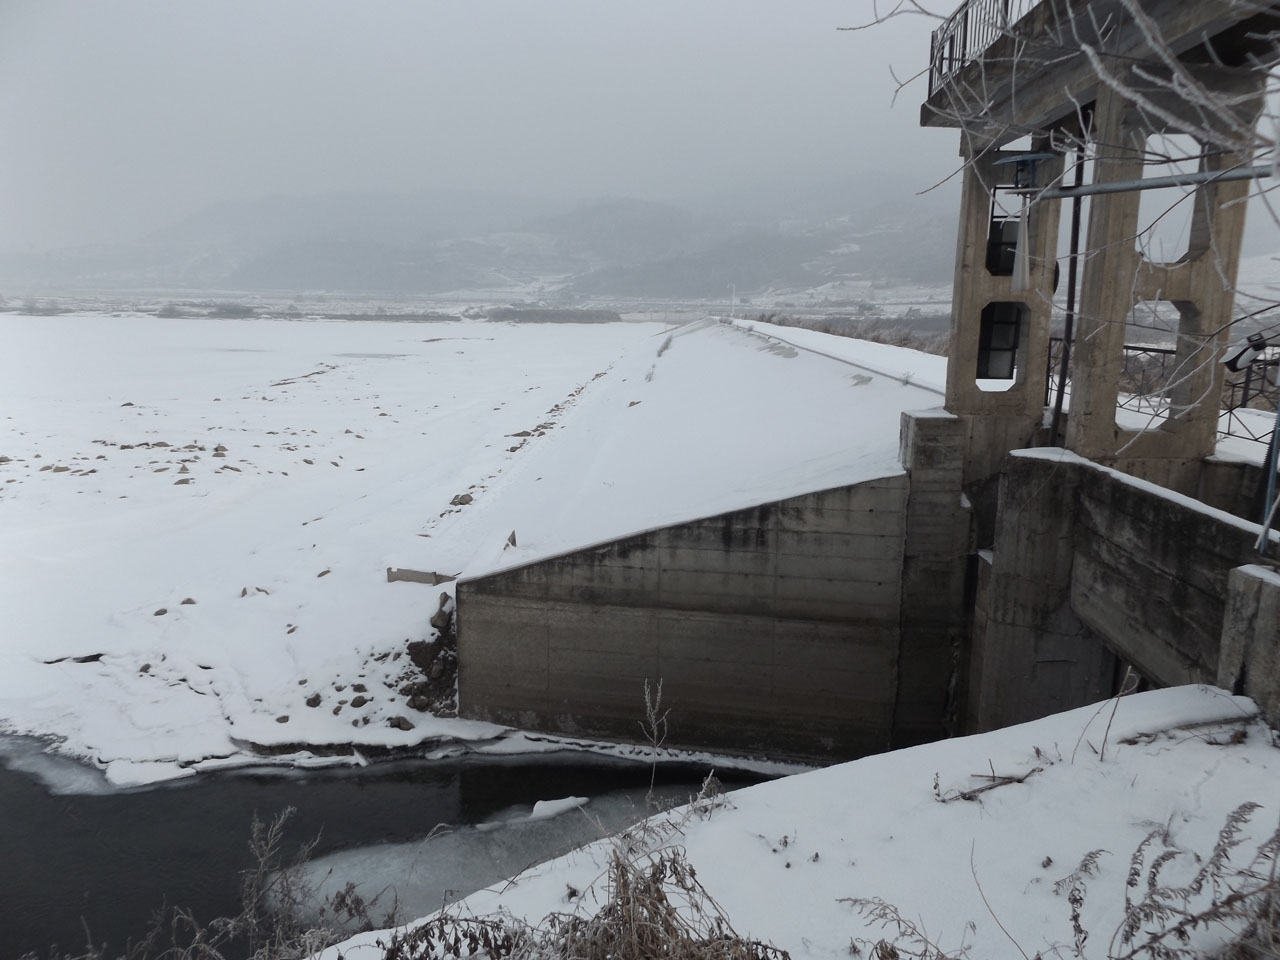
[108,861]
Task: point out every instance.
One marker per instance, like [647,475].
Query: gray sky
[117,118]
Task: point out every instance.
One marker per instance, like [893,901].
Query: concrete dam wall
[1090,564]
[773,629]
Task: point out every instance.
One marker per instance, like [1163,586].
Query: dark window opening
[999,334]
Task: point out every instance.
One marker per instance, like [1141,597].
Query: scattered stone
[219,453]
[337,710]
[313,700]
[6,459]
[442,617]
[324,573]
[423,654]
[359,701]
[127,403]
[401,723]
[188,601]
[291,627]
[339,687]
[305,460]
[419,703]
[61,469]
[283,718]
[461,500]
[436,671]
[184,469]
[161,612]
[160,443]
[145,668]
[244,591]
[359,688]
[181,480]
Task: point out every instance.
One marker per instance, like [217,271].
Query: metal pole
[1068,324]
[1154,183]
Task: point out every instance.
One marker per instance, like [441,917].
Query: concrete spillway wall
[1089,564]
[775,628]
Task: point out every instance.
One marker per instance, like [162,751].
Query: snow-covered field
[198,515]
[978,841]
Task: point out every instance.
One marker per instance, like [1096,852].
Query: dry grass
[656,908]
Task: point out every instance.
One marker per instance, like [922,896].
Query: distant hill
[435,241]
[364,217]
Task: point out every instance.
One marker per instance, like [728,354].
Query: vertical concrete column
[1249,654]
[1107,290]
[935,558]
[1038,658]
[1116,276]
[1201,285]
[975,287]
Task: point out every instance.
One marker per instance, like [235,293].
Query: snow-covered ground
[198,515]
[977,841]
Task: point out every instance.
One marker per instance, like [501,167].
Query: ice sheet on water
[421,876]
[61,776]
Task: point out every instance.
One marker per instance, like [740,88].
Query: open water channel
[104,861]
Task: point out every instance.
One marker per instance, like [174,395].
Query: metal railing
[968,33]
[1258,389]
[1146,370]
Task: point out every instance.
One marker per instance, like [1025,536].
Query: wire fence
[1144,379]
[968,33]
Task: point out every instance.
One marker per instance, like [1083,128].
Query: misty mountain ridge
[437,241]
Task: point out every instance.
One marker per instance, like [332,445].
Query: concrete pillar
[1249,654]
[975,287]
[935,556]
[1037,656]
[1107,290]
[1116,276]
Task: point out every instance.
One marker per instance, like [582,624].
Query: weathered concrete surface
[772,629]
[1088,562]
[974,287]
[1036,76]
[1249,659]
[1037,656]
[932,449]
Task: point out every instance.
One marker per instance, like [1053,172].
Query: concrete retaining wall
[772,629]
[1089,563]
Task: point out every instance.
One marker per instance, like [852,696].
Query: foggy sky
[119,118]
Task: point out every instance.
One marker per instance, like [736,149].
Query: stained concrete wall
[1249,658]
[1088,563]
[773,629]
[932,448]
